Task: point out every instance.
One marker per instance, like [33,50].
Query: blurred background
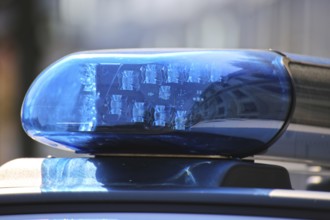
[35,33]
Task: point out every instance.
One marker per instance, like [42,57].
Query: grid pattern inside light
[153,95]
[163,96]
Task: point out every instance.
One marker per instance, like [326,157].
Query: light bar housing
[165,102]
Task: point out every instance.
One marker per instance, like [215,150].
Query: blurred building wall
[298,26]
[18,64]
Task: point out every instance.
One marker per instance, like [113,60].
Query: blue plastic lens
[211,102]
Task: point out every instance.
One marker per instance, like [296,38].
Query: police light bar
[165,102]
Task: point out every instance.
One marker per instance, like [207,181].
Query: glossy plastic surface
[231,103]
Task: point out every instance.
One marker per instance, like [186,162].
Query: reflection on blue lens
[213,102]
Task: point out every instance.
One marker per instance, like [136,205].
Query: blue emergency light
[161,102]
